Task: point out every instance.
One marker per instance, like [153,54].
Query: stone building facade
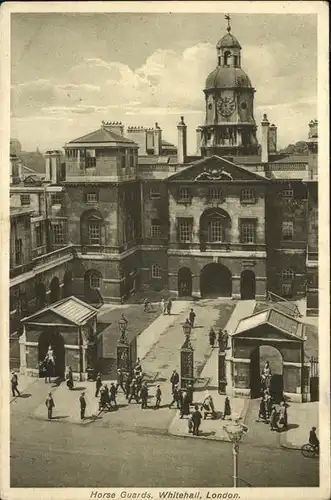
[123,212]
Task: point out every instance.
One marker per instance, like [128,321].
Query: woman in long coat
[282,421]
[227,408]
[273,419]
[70,379]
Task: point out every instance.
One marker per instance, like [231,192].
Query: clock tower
[229,128]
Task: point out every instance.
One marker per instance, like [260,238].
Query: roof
[228,40]
[230,77]
[293,159]
[275,318]
[292,175]
[102,136]
[71,309]
[166,143]
[15,211]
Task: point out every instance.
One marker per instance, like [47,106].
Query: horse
[47,368]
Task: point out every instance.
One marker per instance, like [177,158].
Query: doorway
[67,284]
[55,290]
[247,285]
[215,281]
[184,282]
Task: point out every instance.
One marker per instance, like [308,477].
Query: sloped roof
[102,135]
[275,318]
[293,159]
[71,309]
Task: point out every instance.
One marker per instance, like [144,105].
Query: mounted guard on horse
[47,366]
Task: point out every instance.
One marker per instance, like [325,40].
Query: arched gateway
[269,335]
[215,281]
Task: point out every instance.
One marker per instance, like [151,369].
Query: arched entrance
[259,356]
[40,291]
[55,290]
[247,285]
[55,339]
[67,284]
[215,281]
[184,282]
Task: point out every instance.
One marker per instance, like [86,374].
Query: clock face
[226,106]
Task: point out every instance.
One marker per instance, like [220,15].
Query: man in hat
[14,384]
[98,384]
[82,402]
[174,379]
[120,379]
[112,394]
[158,396]
[191,317]
[196,419]
[175,397]
[50,405]
[144,396]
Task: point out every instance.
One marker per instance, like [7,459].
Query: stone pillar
[264,139]
[199,133]
[186,365]
[157,140]
[48,166]
[272,140]
[182,141]
[236,292]
[241,377]
[22,342]
[260,287]
[292,380]
[221,372]
[196,285]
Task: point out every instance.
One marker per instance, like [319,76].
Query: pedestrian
[176,396]
[189,391]
[14,384]
[191,317]
[220,338]
[144,396]
[262,411]
[133,391]
[139,383]
[273,419]
[163,306]
[185,406]
[282,420]
[146,305]
[98,384]
[225,339]
[212,337]
[82,402]
[196,419]
[190,424]
[104,398]
[112,394]
[174,379]
[127,386]
[267,404]
[208,406]
[158,396]
[70,379]
[169,306]
[227,409]
[313,439]
[120,380]
[50,405]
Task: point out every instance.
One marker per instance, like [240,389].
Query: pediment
[215,168]
[48,316]
[266,331]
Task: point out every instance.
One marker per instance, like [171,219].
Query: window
[287,275]
[58,234]
[156,271]
[287,230]
[185,230]
[215,231]
[25,200]
[247,196]
[247,231]
[94,234]
[184,196]
[215,194]
[39,235]
[235,61]
[92,197]
[123,159]
[18,251]
[95,281]
[131,158]
[154,193]
[90,161]
[287,193]
[56,199]
[155,229]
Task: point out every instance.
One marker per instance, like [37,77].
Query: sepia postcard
[165,250]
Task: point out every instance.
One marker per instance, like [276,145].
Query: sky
[71,71]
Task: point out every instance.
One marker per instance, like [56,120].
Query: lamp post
[123,325]
[235,431]
[123,348]
[186,359]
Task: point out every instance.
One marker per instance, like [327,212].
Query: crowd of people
[222,338]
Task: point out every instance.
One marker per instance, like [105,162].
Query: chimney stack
[115,127]
[199,134]
[264,139]
[15,176]
[53,167]
[157,140]
[138,135]
[182,141]
[313,129]
[272,139]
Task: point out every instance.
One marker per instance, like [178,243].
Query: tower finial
[228,18]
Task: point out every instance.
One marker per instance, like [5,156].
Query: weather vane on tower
[228,18]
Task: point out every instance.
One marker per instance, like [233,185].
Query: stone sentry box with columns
[69,326]
[273,328]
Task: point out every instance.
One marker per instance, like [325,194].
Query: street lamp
[235,431]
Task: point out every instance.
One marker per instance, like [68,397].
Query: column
[22,341]
[236,292]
